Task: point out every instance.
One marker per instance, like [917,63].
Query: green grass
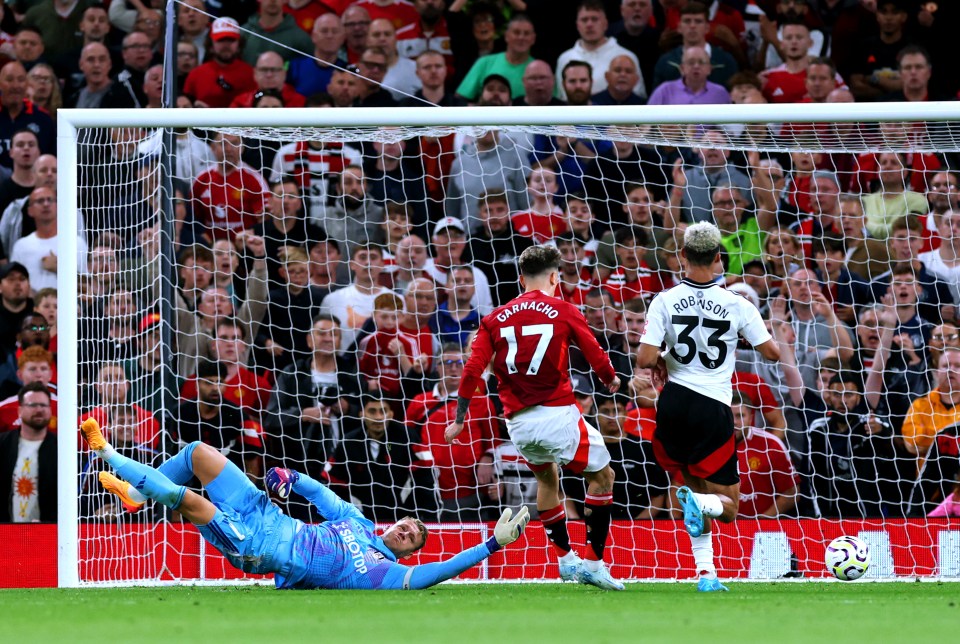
[773,612]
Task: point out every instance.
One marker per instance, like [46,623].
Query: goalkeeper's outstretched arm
[282,481]
[508,529]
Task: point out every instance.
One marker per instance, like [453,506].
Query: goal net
[300,288]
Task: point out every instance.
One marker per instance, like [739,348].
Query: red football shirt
[217,85]
[148,429]
[576,296]
[306,15]
[246,390]
[10,413]
[455,464]
[541,228]
[412,41]
[290,98]
[426,342]
[378,362]
[228,204]
[765,470]
[756,389]
[623,290]
[400,12]
[921,165]
[642,422]
[527,338]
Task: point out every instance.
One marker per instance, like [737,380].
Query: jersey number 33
[689,324]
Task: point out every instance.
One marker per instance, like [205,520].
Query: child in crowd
[387,353]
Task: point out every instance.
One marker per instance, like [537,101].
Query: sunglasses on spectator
[451,363]
[36,327]
[942,338]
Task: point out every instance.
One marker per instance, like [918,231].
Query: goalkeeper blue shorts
[247,528]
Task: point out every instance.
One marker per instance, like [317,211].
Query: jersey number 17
[509,334]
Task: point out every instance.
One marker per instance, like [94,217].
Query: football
[847,558]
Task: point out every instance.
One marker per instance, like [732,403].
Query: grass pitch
[751,612]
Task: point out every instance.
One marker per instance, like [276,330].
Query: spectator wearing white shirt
[596,48]
[944,262]
[353,305]
[449,241]
[401,79]
[37,252]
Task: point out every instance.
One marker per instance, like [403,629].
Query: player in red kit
[527,339]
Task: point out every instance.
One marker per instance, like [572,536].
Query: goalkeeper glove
[509,530]
[280,481]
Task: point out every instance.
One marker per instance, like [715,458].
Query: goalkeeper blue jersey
[345,552]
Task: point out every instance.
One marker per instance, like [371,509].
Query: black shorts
[695,433]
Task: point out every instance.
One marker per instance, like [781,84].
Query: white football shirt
[699,324]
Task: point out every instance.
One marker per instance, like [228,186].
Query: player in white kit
[690,338]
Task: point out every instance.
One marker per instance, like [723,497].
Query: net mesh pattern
[320,286]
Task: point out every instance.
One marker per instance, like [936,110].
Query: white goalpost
[143,238]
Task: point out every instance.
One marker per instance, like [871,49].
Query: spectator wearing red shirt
[229,196]
[787,82]
[428,33]
[420,300]
[356,26]
[220,80]
[545,219]
[388,354]
[270,73]
[768,480]
[632,278]
[574,285]
[35,364]
[726,25]
[463,467]
[759,398]
[399,12]
[306,12]
[242,386]
[113,389]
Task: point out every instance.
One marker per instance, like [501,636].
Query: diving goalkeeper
[256,537]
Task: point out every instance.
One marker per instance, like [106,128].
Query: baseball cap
[225,28]
[900,6]
[448,222]
[149,321]
[11,267]
[500,77]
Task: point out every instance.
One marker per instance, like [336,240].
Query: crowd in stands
[325,293]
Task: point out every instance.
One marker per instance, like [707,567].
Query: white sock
[569,558]
[106,452]
[592,565]
[135,495]
[703,555]
[709,504]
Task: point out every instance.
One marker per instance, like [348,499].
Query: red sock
[555,525]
